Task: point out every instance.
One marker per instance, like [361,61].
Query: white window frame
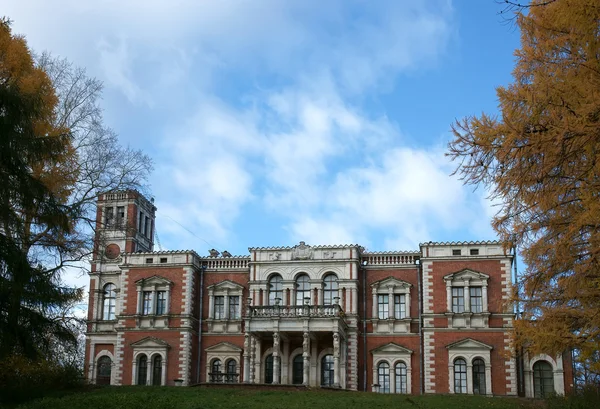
[466,279]
[224,351]
[469,350]
[150,346]
[557,369]
[225,289]
[391,287]
[153,285]
[392,354]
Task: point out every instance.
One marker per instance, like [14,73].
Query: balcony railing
[221,377]
[266,311]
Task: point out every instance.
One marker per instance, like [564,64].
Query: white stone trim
[392,354]
[557,368]
[469,350]
[429,361]
[427,267]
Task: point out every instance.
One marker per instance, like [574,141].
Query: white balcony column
[138,308]
[246,358]
[354,301]
[226,305]
[391,314]
[320,294]
[484,297]
[374,315]
[275,358]
[467,297]
[286,298]
[336,360]
[305,358]
[449,294]
[211,304]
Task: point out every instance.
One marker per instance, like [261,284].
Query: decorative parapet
[226,263]
[295,311]
[390,258]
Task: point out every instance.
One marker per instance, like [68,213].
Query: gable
[154,280]
[224,347]
[391,282]
[469,344]
[150,342]
[466,274]
[391,348]
[226,285]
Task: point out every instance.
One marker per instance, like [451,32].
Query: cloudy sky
[275,121]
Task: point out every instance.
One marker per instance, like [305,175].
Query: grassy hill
[208,398]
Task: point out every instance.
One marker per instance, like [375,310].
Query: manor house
[431,320]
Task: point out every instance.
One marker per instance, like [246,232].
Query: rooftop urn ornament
[214,253]
[226,253]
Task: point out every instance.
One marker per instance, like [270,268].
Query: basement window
[456,252]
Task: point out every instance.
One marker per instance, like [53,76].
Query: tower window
[109,216]
[120,216]
[474,252]
[456,252]
[149,260]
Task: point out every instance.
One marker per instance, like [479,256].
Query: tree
[541,159]
[28,136]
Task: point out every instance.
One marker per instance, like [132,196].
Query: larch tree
[29,138]
[540,158]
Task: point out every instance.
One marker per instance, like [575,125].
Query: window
[103,370]
[219,307]
[147,303]
[216,374]
[140,221]
[383,377]
[456,252]
[110,298]
[399,306]
[330,289]
[458,299]
[401,378]
[383,305]
[142,370]
[476,298]
[120,216]
[149,260]
[298,370]
[163,260]
[275,289]
[474,252]
[231,371]
[161,302]
[146,225]
[157,370]
[460,376]
[543,379]
[234,307]
[109,215]
[269,369]
[327,370]
[302,289]
[478,377]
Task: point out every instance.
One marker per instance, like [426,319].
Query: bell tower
[124,224]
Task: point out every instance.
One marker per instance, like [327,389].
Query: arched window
[460,376]
[298,370]
[383,377]
[479,377]
[269,369]
[330,289]
[216,371]
[142,369]
[275,288]
[401,378]
[302,288]
[157,370]
[103,369]
[231,371]
[327,370]
[109,302]
[543,379]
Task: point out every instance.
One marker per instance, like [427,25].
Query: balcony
[295,311]
[268,318]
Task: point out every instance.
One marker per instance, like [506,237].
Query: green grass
[137,397]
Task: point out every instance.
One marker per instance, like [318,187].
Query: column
[246,355]
[407,300]
[320,293]
[355,301]
[134,371]
[252,359]
[336,360]
[484,297]
[391,314]
[226,306]
[153,303]
[313,296]
[91,362]
[168,300]
[138,308]
[467,297]
[163,372]
[374,315]
[275,358]
[451,376]
[393,379]
[488,379]
[449,295]
[211,304]
[469,378]
[305,358]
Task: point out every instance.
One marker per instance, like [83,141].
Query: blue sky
[272,122]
